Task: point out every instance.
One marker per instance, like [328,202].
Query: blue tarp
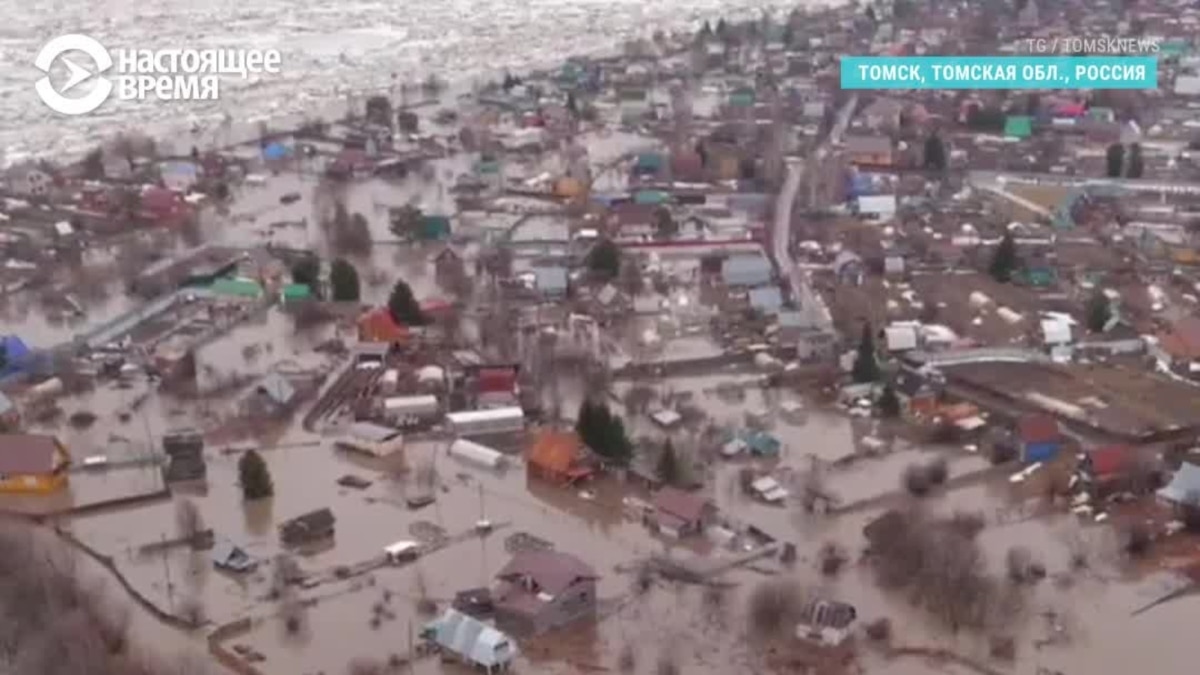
[857,185]
[275,151]
[18,356]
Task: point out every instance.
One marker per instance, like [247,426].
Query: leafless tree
[774,607]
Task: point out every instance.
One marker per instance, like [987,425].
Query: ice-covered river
[329,50]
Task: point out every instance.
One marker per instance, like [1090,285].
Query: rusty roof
[28,454]
[687,506]
[1038,429]
[555,451]
[552,571]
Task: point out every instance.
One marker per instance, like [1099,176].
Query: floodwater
[331,55]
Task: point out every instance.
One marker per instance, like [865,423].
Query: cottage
[32,463]
[678,513]
[551,282]
[827,623]
[308,528]
[541,590]
[869,150]
[471,641]
[558,457]
[1108,464]
[1039,437]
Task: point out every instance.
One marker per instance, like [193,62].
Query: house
[876,207]
[761,443]
[1109,463]
[10,417]
[746,271]
[163,206]
[1039,437]
[240,288]
[678,513]
[1181,344]
[766,299]
[541,590]
[901,337]
[378,326]
[32,463]
[629,218]
[869,150]
[448,267]
[558,457]
[231,558]
[1184,485]
[497,385]
[185,456]
[274,394]
[308,528]
[848,267]
[918,395]
[826,622]
[471,641]
[1018,126]
[433,228]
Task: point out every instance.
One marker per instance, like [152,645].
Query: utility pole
[167,573]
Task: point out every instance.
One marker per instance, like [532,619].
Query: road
[807,300]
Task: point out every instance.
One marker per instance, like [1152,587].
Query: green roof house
[295,293]
[1102,114]
[651,197]
[1018,126]
[648,162]
[434,228]
[742,99]
[237,288]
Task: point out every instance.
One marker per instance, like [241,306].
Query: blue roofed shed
[434,228]
[746,270]
[471,640]
[653,197]
[761,443]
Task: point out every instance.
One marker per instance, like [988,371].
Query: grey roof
[369,431]
[746,270]
[828,614]
[767,298]
[868,144]
[277,388]
[1185,482]
[471,639]
[551,279]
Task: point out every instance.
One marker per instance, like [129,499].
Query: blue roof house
[761,443]
[17,357]
[472,641]
[746,271]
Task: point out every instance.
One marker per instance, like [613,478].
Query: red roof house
[1110,461]
[378,325]
[163,206]
[678,513]
[500,380]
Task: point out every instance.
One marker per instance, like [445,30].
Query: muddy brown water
[669,620]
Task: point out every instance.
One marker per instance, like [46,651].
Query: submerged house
[471,641]
[1184,485]
[678,513]
[1039,437]
[185,456]
[231,558]
[310,527]
[32,463]
[826,622]
[541,590]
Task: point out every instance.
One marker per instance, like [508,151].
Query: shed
[678,513]
[879,207]
[901,337]
[653,197]
[766,299]
[291,293]
[307,528]
[433,228]
[372,439]
[491,421]
[475,453]
[229,557]
[471,640]
[277,389]
[648,163]
[826,622]
[761,443]
[551,281]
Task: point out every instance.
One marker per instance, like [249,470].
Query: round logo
[54,98]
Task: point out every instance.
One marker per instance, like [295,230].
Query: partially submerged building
[541,590]
[308,528]
[32,463]
[471,641]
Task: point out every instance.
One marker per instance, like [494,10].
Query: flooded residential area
[678,360]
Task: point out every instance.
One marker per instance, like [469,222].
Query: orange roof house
[557,456]
[378,325]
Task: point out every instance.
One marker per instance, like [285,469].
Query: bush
[774,606]
[936,471]
[254,476]
[916,480]
[880,630]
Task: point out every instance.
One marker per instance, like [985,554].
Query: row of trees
[344,284]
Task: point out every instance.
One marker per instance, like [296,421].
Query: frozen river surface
[329,50]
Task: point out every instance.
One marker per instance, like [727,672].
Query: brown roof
[28,454]
[555,451]
[1184,339]
[552,571]
[686,506]
[1038,429]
